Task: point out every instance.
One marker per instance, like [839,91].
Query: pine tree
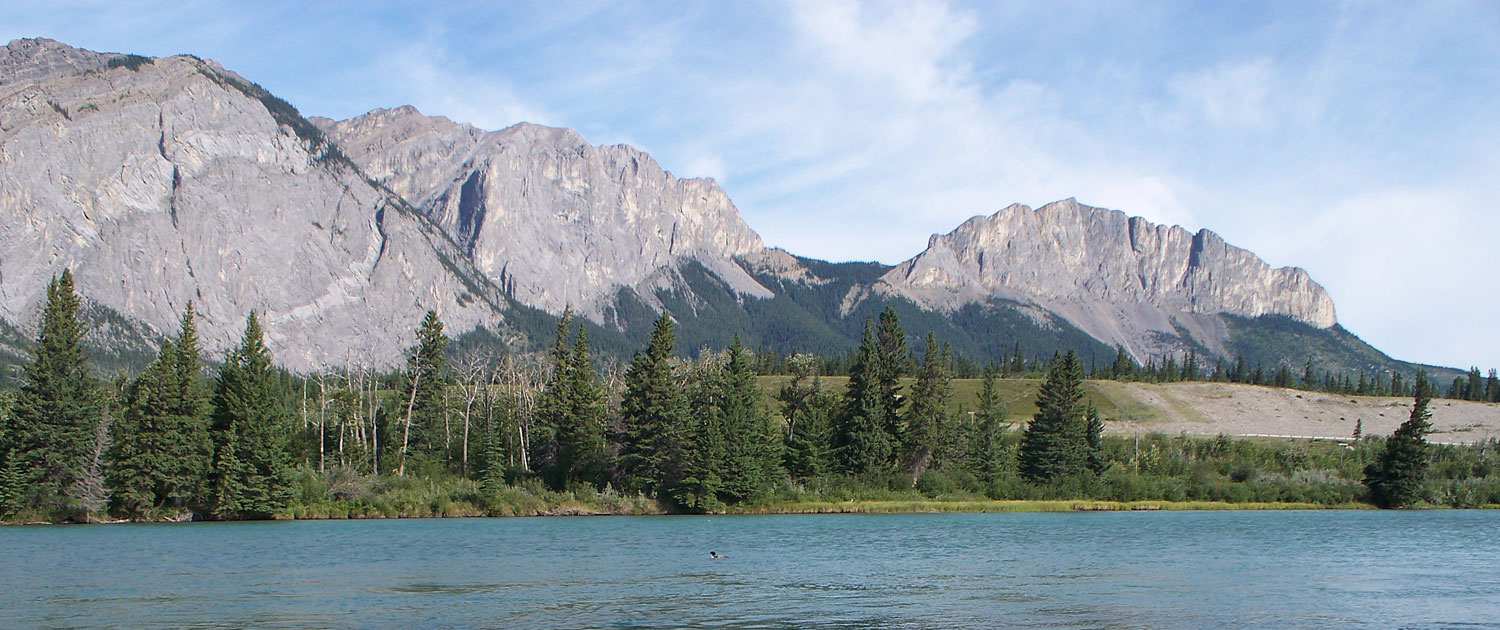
[891,360]
[1055,442]
[654,413]
[57,408]
[1124,367]
[1492,387]
[583,440]
[251,470]
[1094,439]
[804,407]
[162,451]
[552,406]
[1395,478]
[861,442]
[427,377]
[1309,377]
[750,465]
[1474,389]
[927,417]
[989,418]
[570,434]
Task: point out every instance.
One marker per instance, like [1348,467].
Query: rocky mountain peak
[558,222]
[160,181]
[1122,279]
[27,60]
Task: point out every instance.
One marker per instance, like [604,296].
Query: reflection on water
[927,571]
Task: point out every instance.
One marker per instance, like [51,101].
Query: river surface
[1333,569]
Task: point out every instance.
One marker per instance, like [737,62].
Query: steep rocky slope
[554,220]
[168,180]
[1153,288]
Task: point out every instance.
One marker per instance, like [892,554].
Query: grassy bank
[935,506]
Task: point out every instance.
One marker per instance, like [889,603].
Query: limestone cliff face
[168,180]
[1119,278]
[555,221]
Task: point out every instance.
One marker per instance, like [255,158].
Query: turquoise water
[1431,569]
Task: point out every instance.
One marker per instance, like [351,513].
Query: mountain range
[161,181]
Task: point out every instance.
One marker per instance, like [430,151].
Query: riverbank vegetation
[461,432]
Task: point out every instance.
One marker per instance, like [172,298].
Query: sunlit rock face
[1119,278]
[555,221]
[165,181]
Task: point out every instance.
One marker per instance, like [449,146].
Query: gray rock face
[1121,279]
[555,221]
[173,181]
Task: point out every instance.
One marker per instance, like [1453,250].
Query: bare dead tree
[90,489]
[472,368]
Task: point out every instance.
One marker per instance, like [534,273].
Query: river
[1272,569]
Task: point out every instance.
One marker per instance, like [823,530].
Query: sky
[1357,140]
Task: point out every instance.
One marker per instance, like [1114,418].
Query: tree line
[692,434]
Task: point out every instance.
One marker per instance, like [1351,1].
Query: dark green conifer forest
[458,429]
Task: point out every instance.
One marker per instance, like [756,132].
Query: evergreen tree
[584,442]
[572,441]
[425,431]
[251,465]
[927,417]
[1309,377]
[707,444]
[1124,367]
[1395,478]
[891,360]
[654,413]
[1055,442]
[162,450]
[989,418]
[1094,439]
[1190,367]
[1474,389]
[1017,361]
[1492,387]
[57,408]
[805,407]
[553,405]
[861,442]
[750,465]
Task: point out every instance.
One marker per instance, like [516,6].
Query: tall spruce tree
[891,362]
[251,470]
[1094,439]
[583,440]
[805,407]
[927,419]
[654,413]
[162,449]
[425,432]
[1395,477]
[552,405]
[987,439]
[1055,442]
[750,464]
[57,408]
[861,442]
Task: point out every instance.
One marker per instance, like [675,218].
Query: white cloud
[1233,94]
[427,75]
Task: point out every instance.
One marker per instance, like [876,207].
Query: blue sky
[1357,140]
